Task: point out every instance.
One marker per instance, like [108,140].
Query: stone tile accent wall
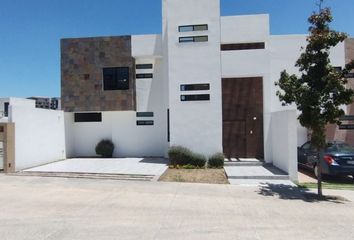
[82,61]
[349,49]
[333,132]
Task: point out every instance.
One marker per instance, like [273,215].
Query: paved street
[69,209]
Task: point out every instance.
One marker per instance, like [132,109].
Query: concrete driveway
[73,209]
[120,166]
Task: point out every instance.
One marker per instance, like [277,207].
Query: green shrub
[105,148]
[181,156]
[197,160]
[216,161]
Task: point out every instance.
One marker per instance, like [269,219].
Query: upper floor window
[144,66]
[193,28]
[242,46]
[116,78]
[193,39]
[6,109]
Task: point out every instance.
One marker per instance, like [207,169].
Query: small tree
[321,89]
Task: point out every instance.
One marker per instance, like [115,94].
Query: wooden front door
[243,117]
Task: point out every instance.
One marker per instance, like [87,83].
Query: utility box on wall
[7,137]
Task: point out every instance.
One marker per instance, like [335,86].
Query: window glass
[186,39]
[191,28]
[201,39]
[145,123]
[144,66]
[195,87]
[197,97]
[186,28]
[200,27]
[88,117]
[116,78]
[6,109]
[242,46]
[144,75]
[144,114]
[193,39]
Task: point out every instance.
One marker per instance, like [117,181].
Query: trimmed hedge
[181,156]
[216,161]
[105,148]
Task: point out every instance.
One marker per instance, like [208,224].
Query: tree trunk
[319,172]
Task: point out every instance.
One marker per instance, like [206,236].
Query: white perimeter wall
[39,136]
[120,127]
[196,125]
[284,142]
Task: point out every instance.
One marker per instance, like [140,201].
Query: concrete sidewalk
[73,209]
[256,175]
[154,167]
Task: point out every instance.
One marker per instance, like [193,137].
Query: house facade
[206,83]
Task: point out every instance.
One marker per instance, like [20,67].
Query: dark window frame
[144,114]
[116,84]
[144,75]
[145,123]
[193,39]
[6,109]
[195,87]
[195,97]
[242,46]
[194,28]
[168,126]
[87,117]
[144,66]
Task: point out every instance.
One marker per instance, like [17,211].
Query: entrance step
[255,173]
[243,162]
[130,177]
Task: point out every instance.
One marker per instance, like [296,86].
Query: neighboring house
[5,104]
[47,103]
[335,132]
[34,136]
[206,82]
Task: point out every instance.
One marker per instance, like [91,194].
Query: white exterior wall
[196,125]
[119,126]
[245,28]
[39,136]
[284,142]
[146,46]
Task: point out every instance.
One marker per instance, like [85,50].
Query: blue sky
[30,31]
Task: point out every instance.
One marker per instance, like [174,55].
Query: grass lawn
[329,185]
[212,176]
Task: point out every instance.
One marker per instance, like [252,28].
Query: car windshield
[341,147]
